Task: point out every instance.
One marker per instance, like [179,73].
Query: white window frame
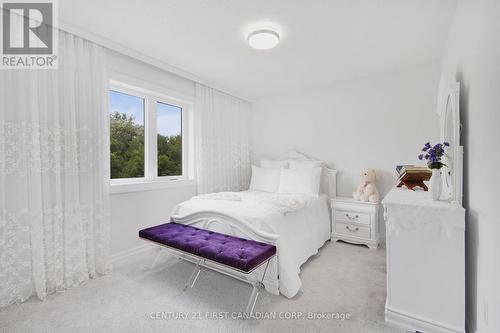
[151,180]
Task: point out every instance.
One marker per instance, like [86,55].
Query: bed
[298,225]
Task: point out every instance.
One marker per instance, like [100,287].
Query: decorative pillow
[300,181]
[264,179]
[305,164]
[273,164]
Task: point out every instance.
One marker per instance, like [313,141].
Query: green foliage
[169,155]
[127,149]
[435,165]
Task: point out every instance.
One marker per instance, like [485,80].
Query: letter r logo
[27,28]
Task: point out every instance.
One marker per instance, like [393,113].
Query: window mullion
[151,142]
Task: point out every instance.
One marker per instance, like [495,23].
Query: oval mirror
[448,110]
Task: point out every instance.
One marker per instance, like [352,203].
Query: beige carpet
[342,280]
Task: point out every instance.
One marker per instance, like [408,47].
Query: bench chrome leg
[253,299]
[255,292]
[156,258]
[194,276]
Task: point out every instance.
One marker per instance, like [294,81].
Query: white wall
[133,211]
[378,122]
[149,76]
[473,57]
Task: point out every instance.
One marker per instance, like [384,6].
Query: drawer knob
[350,229]
[351,217]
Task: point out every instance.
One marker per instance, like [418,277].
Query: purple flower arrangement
[433,154]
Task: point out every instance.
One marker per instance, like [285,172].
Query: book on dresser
[413,176]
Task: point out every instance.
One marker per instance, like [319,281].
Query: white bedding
[301,222]
[283,203]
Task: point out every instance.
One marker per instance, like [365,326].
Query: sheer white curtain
[53,173]
[221,141]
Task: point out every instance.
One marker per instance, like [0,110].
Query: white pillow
[304,181]
[264,179]
[305,164]
[272,164]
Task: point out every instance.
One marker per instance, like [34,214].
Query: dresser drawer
[352,217]
[352,230]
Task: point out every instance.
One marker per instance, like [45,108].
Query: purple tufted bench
[242,255]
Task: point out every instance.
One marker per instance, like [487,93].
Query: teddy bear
[367,191]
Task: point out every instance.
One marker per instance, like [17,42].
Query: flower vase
[435,184]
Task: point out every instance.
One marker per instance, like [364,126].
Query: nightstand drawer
[352,217]
[352,230]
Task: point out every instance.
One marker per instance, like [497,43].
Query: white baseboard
[131,252]
[411,322]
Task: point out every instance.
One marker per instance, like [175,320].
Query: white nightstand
[355,221]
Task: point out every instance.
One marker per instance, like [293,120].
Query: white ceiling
[322,41]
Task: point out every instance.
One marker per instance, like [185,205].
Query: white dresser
[355,221]
[425,262]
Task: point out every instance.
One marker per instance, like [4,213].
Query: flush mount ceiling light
[263,39]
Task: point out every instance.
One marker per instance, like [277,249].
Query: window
[169,125]
[146,135]
[126,135]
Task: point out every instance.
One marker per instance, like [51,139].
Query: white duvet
[301,222]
